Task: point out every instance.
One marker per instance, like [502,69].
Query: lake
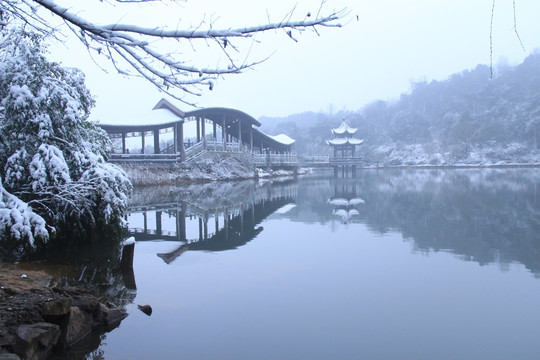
[394,264]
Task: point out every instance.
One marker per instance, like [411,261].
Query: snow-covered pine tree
[54,174]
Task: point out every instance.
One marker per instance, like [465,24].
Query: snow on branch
[136,50]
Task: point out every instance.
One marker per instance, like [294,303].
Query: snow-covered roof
[345,141]
[345,202]
[282,138]
[146,118]
[345,214]
[344,129]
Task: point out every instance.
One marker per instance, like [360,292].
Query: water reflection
[208,217]
[482,215]
[345,200]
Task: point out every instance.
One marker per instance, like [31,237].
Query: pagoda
[344,144]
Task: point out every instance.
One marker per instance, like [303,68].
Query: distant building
[344,146]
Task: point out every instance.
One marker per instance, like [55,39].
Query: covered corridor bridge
[217,129]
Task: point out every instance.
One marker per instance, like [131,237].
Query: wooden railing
[145,157]
[197,150]
[275,159]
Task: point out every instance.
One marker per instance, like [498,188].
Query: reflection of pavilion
[203,227]
[345,201]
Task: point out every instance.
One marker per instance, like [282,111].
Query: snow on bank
[211,169]
[464,155]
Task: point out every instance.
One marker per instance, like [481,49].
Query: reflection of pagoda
[344,144]
[345,201]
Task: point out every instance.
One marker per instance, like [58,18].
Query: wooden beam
[142,142]
[224,133]
[239,131]
[123,143]
[198,129]
[203,129]
[181,141]
[156,141]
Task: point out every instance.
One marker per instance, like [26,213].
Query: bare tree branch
[140,48]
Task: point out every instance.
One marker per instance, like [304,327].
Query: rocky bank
[38,322]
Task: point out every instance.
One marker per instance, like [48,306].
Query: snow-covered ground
[419,155]
[210,169]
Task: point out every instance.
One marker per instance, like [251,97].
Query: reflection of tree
[483,215]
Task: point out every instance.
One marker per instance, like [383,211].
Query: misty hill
[469,118]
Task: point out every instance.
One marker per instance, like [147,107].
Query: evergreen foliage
[54,173]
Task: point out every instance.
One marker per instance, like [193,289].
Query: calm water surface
[395,264]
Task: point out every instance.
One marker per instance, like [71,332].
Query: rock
[86,303]
[147,309]
[109,317]
[9,356]
[36,341]
[79,325]
[56,307]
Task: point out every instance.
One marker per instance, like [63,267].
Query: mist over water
[416,264]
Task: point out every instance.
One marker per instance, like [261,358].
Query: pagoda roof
[346,214]
[346,202]
[345,141]
[344,129]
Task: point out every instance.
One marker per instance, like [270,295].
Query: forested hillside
[469,118]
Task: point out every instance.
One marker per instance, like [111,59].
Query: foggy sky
[383,46]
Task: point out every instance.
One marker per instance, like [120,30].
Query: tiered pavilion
[344,146]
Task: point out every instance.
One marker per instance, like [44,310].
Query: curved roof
[280,138]
[346,202]
[344,129]
[345,141]
[281,141]
[237,123]
[119,128]
[346,214]
[217,113]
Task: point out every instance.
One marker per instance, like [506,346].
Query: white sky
[377,56]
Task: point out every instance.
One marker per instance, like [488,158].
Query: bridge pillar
[180,140]
[158,223]
[123,143]
[226,224]
[214,130]
[205,226]
[224,133]
[156,141]
[198,129]
[145,223]
[239,132]
[142,142]
[203,129]
[181,220]
[251,138]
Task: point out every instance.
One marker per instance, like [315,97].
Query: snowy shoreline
[166,174]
